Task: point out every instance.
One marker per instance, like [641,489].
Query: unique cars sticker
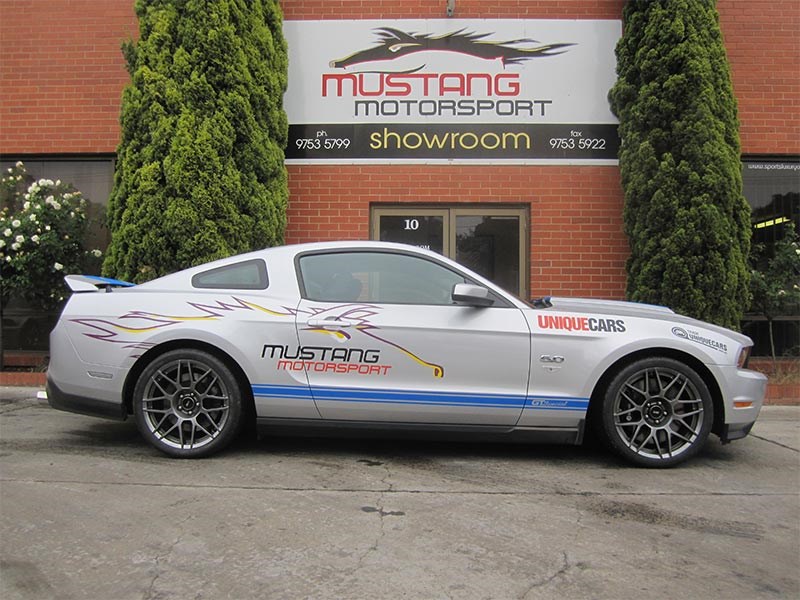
[698,338]
[570,323]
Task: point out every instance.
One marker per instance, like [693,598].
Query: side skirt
[428,431]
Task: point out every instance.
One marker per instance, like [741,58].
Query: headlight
[744,357]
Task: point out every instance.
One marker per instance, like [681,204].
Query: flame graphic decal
[124,329]
[361,313]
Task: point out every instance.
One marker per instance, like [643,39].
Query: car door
[260,326]
[382,340]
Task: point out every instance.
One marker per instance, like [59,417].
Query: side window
[378,277]
[247,275]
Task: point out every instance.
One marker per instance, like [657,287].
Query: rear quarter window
[246,275]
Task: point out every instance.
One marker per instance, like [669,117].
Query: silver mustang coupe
[379,336]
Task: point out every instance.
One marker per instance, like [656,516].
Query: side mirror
[471,295]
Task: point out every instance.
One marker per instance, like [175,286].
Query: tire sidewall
[608,431]
[235,418]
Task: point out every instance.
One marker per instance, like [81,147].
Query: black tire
[188,404]
[656,412]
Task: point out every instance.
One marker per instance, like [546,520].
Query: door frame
[449,214]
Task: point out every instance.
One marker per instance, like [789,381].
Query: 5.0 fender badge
[548,358]
[552,363]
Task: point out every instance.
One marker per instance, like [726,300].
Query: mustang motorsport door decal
[421,91]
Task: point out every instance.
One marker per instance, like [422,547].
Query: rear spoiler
[93,283]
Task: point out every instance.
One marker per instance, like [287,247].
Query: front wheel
[657,412]
[188,404]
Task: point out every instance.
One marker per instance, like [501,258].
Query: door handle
[329,323]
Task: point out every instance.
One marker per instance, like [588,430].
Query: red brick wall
[577,245]
[464,9]
[62,74]
[763,43]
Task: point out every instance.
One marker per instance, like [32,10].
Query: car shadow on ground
[122,440]
[114,439]
[408,448]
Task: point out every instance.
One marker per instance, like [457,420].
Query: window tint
[773,191]
[248,275]
[376,277]
[772,187]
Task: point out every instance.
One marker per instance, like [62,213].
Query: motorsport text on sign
[531,91]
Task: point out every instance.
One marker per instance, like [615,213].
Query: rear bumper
[80,387]
[61,400]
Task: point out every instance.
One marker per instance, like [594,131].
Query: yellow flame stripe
[438,371]
[265,310]
[160,325]
[174,318]
[137,329]
[337,334]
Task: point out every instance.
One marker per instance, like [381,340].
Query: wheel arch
[596,397]
[153,353]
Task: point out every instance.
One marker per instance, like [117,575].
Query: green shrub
[200,171]
[685,216]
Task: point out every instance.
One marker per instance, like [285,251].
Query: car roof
[182,279]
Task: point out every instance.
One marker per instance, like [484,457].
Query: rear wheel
[188,404]
[657,412]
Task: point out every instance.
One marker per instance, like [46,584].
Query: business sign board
[449,90]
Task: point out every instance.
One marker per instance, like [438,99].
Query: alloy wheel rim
[658,413]
[186,404]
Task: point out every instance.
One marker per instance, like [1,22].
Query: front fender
[571,353]
[650,346]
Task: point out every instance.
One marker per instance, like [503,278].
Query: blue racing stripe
[415,397]
[283,391]
[558,403]
[480,402]
[109,281]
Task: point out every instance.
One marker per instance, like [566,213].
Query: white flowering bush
[42,231]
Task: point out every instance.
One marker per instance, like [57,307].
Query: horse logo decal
[394,43]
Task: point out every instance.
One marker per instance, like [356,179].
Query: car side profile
[373,336]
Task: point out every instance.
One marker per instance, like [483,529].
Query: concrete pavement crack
[8,408]
[385,481]
[150,594]
[578,523]
[392,490]
[566,566]
[763,439]
[379,505]
[376,543]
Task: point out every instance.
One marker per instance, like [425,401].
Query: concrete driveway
[88,510]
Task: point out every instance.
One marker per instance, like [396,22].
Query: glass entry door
[490,241]
[423,228]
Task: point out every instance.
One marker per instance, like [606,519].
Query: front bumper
[743,394]
[734,432]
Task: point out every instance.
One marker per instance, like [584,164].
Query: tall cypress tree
[686,218]
[200,172]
